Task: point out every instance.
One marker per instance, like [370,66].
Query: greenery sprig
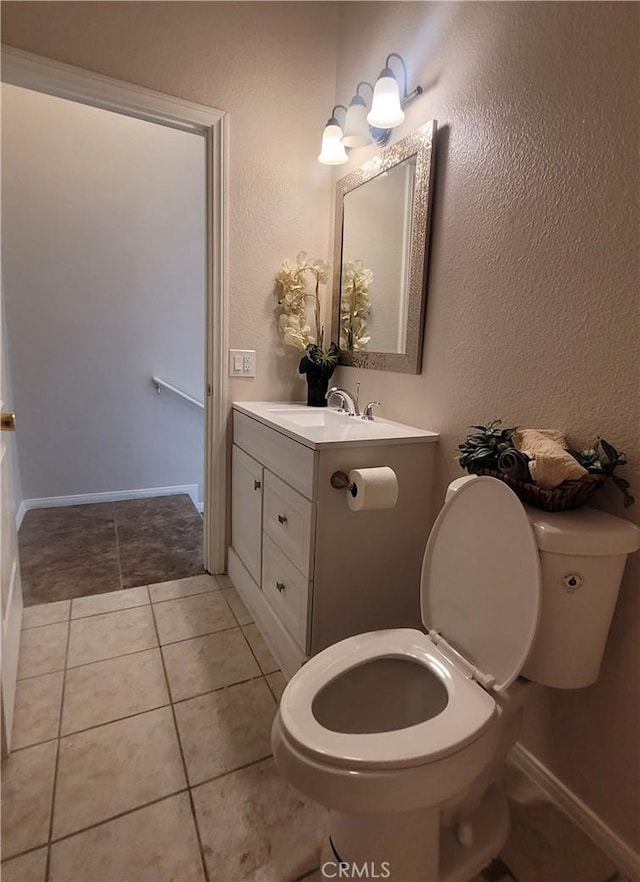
[603,459]
[483,449]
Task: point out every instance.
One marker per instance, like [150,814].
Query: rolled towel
[551,463]
[514,464]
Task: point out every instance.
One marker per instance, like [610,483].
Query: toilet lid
[481,585]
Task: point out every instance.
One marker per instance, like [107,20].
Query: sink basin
[310,416]
[309,419]
[322,427]
[305,416]
[337,426]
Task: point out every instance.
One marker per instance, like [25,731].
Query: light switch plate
[242,362]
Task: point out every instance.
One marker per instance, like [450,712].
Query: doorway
[104,282]
[53,78]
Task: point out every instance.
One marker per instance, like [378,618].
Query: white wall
[103,267]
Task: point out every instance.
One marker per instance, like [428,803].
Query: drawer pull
[282,519]
[256,485]
[280,586]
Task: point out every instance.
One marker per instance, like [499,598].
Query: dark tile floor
[89,549]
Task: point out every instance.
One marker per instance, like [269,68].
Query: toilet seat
[467,714]
[481,585]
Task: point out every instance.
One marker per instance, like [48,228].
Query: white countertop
[318,427]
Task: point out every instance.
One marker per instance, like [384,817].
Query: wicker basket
[570,494]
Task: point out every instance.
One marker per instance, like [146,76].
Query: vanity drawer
[292,461]
[286,590]
[289,520]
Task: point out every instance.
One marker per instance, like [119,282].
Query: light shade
[332,153]
[356,128]
[386,112]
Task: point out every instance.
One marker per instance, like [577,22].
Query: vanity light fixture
[356,127]
[386,111]
[362,128]
[333,152]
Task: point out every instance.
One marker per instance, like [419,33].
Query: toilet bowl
[419,732]
[401,733]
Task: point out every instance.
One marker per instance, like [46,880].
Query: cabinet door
[246,511]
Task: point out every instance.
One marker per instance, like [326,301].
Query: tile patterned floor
[142,754]
[90,549]
[143,721]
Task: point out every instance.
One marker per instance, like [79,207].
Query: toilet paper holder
[340,480]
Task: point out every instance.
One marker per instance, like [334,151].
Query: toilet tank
[582,554]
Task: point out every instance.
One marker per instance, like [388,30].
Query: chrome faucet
[368,411]
[348,403]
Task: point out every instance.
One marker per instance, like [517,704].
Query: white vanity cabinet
[311,570]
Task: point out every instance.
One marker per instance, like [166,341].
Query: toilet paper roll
[373,489]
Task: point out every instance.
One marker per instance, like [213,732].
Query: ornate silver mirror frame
[419,144]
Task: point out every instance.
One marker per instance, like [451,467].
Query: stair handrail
[162,384]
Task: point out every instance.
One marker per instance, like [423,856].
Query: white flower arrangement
[355,306]
[293,292]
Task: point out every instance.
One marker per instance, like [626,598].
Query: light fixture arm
[406,96]
[363,83]
[333,112]
[404,69]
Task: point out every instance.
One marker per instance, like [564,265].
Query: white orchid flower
[297,298]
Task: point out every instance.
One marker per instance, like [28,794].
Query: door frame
[41,74]
[11,610]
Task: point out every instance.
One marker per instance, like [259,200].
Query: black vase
[318,377]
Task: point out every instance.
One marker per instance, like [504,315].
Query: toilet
[402,734]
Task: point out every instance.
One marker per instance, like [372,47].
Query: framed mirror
[383,215]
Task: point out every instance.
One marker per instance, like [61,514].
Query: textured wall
[271,66]
[532,311]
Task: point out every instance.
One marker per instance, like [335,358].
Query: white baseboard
[627,861]
[116,496]
[20,513]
